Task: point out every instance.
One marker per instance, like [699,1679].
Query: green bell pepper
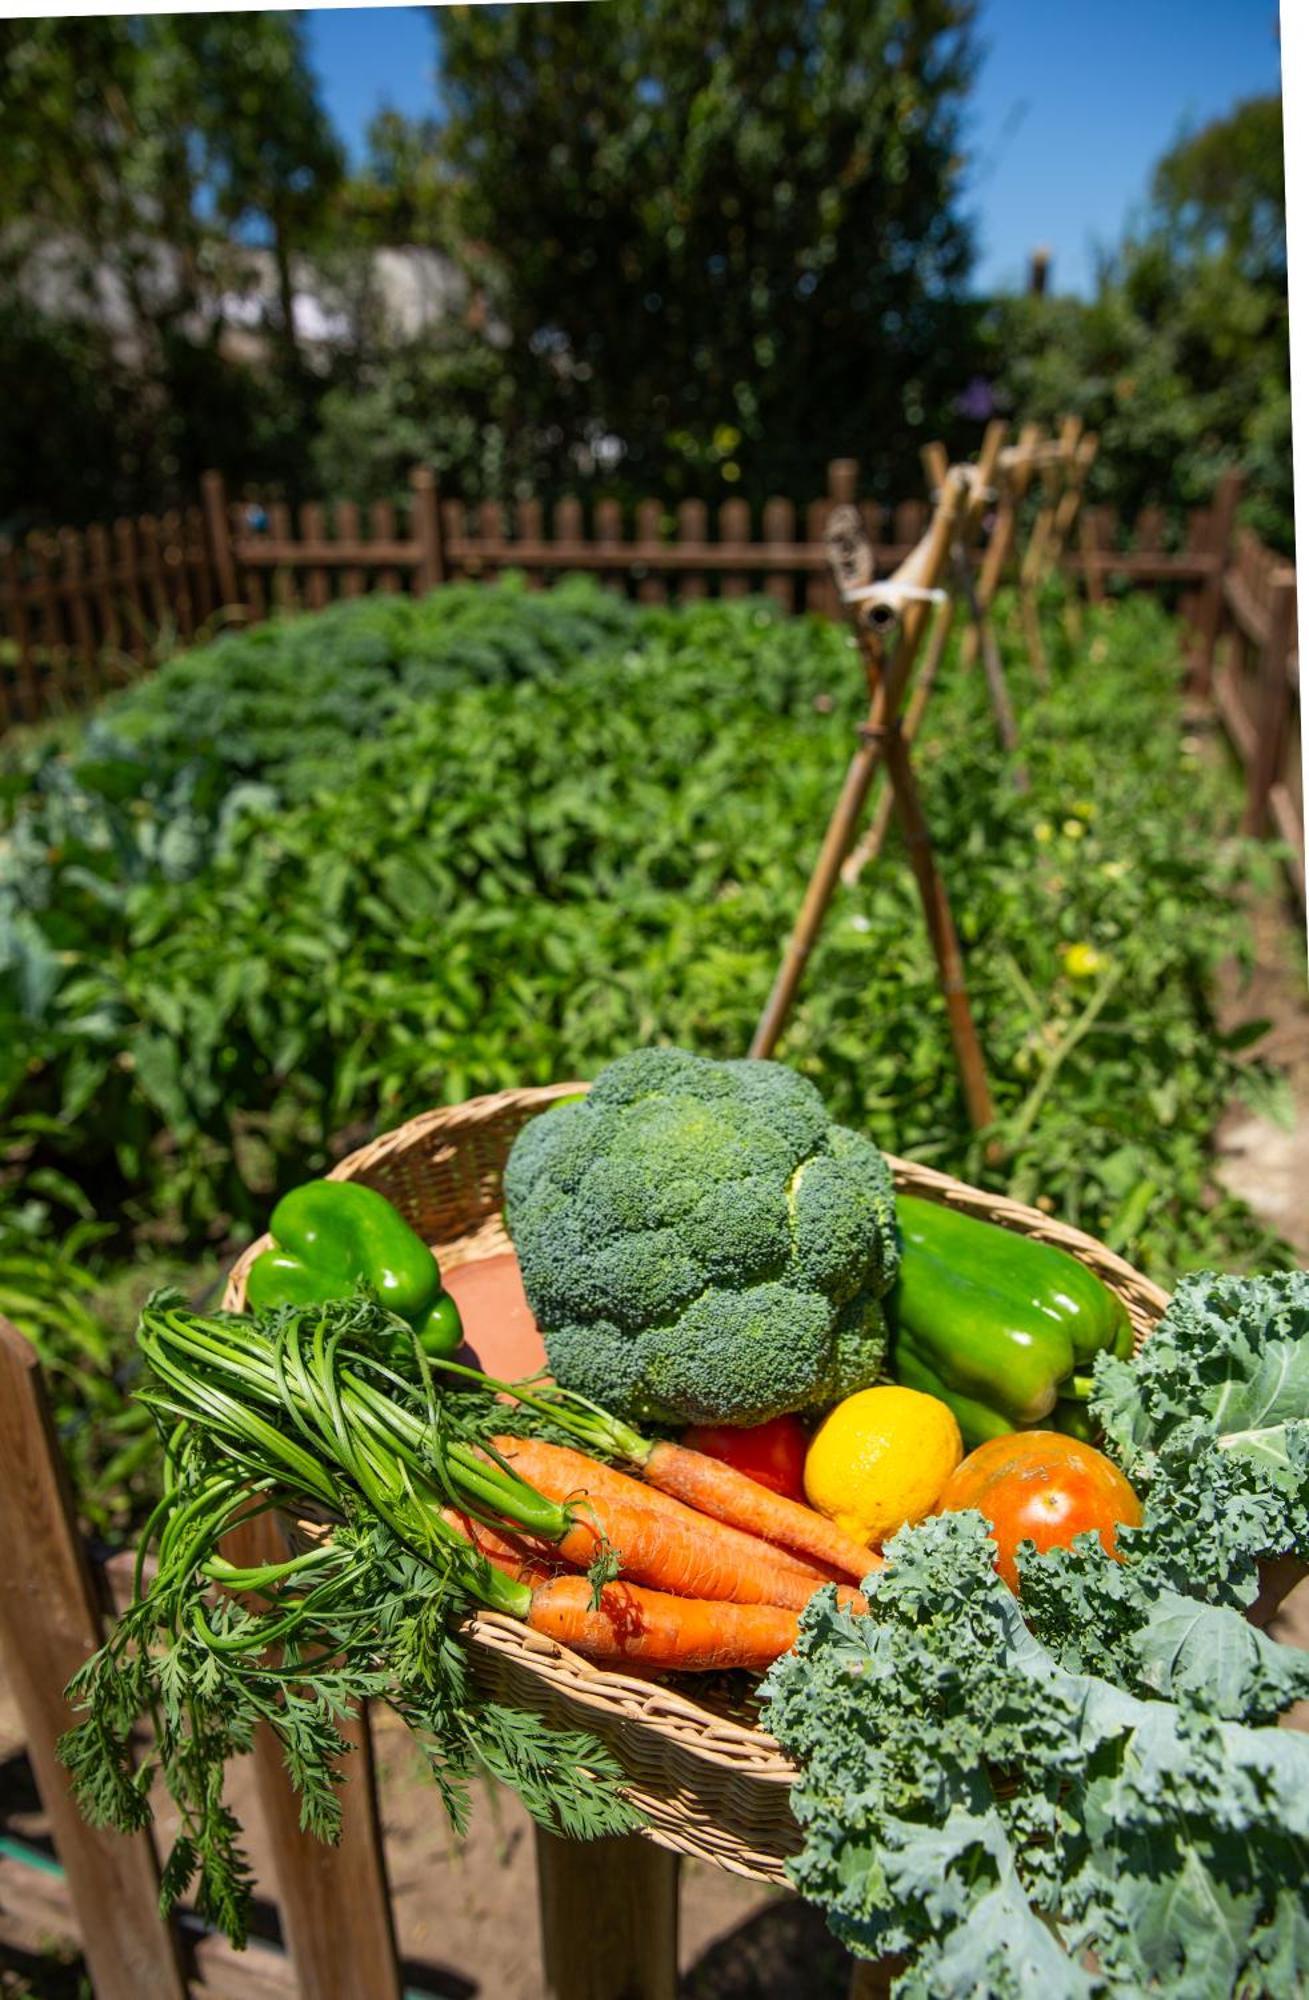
[1003,1328]
[334,1238]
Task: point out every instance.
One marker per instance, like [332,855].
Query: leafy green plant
[317,877]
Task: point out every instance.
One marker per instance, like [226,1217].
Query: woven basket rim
[734,1747]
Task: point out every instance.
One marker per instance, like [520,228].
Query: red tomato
[1042,1487]
[771,1454]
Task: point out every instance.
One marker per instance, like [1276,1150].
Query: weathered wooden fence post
[1209,598]
[608,1918]
[427,529]
[218,527]
[334,1901]
[49,1624]
[1272,710]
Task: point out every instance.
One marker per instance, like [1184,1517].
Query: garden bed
[313,878]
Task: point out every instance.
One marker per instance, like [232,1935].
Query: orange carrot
[711,1487]
[605,1481]
[681,1634]
[678,1551]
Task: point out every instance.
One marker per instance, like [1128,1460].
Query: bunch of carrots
[682,1564]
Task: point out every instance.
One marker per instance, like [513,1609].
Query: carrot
[672,1634]
[711,1487]
[604,1482]
[670,1549]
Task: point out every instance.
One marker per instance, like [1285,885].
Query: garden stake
[1013,471]
[900,606]
[1055,465]
[979,477]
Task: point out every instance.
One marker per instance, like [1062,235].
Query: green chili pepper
[1003,1328]
[334,1238]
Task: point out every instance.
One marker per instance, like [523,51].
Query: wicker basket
[710,1783]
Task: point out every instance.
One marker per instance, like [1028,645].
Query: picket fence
[82,612]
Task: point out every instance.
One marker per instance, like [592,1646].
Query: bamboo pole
[891,616]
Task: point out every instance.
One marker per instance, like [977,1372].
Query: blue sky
[1075,101]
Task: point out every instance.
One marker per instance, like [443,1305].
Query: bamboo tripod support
[966,588]
[890,621]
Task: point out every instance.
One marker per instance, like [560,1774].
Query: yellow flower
[1084,808]
[1073,829]
[726,438]
[1043,831]
[1114,871]
[731,472]
[1083,961]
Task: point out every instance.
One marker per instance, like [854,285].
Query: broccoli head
[699,1243]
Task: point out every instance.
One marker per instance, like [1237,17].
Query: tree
[140,162]
[1181,361]
[726,230]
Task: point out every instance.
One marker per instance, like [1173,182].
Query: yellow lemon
[880,1459]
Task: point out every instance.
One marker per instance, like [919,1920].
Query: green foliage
[1181,362]
[701,1244]
[138,160]
[701,216]
[290,1410]
[320,876]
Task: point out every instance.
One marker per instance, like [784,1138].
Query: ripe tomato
[1042,1487]
[771,1454]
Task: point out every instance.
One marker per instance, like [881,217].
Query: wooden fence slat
[1209,606]
[779,526]
[1272,714]
[177,570]
[152,562]
[649,531]
[454,540]
[313,528]
[491,535]
[346,523]
[78,601]
[607,527]
[218,523]
[692,529]
[1149,534]
[334,1901]
[199,568]
[49,1624]
[102,583]
[431,569]
[381,525]
[733,534]
[284,583]
[39,549]
[129,579]
[567,524]
[529,527]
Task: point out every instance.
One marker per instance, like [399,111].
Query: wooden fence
[81,612]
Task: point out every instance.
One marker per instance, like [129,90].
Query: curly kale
[700,1243]
[968,1800]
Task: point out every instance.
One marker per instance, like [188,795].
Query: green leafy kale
[1080,1792]
[1020,1829]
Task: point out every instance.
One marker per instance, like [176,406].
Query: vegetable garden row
[312,879]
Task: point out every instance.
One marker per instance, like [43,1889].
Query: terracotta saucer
[500,1334]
